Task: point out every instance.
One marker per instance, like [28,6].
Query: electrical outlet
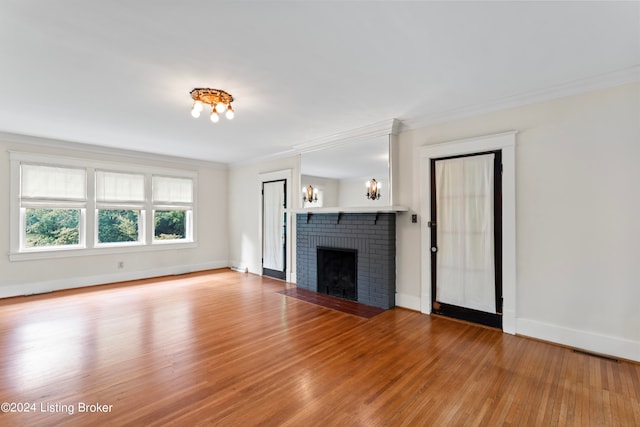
[120,264]
[414,218]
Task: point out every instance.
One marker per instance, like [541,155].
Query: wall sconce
[373,189]
[310,194]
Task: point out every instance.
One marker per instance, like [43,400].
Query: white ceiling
[118,73]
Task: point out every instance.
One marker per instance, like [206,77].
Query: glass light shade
[197,106]
[230,114]
[221,108]
[195,113]
[368,184]
[214,117]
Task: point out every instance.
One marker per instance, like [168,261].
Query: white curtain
[465,271]
[272,250]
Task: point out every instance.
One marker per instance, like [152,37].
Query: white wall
[578,204]
[245,205]
[34,276]
[353,192]
[328,190]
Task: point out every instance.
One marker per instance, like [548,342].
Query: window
[119,207]
[67,207]
[52,205]
[172,208]
[51,227]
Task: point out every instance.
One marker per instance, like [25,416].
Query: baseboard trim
[21,289]
[592,342]
[408,301]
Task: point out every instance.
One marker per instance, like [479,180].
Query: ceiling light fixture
[219,100]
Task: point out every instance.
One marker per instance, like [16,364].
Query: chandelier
[219,100]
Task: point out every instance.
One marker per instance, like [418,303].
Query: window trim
[90,246]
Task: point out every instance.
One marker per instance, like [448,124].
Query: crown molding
[575,87]
[97,149]
[385,127]
[382,128]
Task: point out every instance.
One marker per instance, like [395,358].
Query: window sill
[79,252]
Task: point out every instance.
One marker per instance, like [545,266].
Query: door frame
[286,175]
[506,143]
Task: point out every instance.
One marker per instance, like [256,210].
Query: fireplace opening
[337,272]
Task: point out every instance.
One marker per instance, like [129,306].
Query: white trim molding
[589,341]
[385,127]
[31,288]
[111,151]
[503,141]
[411,302]
[570,88]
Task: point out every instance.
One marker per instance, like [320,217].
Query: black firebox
[337,272]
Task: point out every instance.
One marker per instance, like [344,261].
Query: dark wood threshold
[466,322]
[333,303]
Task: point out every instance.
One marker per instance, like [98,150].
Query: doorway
[466,237]
[274,228]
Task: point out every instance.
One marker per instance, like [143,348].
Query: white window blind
[50,182]
[119,187]
[172,190]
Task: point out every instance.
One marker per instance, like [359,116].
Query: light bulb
[221,107]
[195,113]
[368,184]
[197,106]
[214,117]
[230,114]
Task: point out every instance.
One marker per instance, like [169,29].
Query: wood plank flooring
[224,348]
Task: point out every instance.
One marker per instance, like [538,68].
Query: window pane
[117,225]
[170,225]
[52,182]
[119,187]
[172,190]
[52,227]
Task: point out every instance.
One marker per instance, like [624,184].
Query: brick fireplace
[371,236]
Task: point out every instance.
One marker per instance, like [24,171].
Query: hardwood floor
[224,348]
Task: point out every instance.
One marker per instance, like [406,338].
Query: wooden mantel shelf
[354,209]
